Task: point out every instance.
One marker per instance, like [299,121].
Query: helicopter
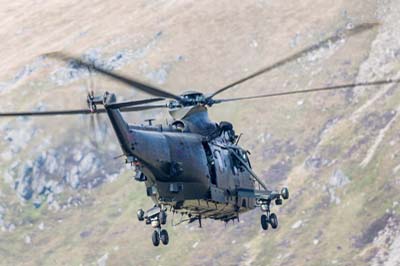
[192,166]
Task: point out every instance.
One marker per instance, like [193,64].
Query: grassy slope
[215,40]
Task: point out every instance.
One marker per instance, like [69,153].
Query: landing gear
[164,237]
[268,217]
[156,216]
[140,215]
[163,217]
[155,237]
[285,193]
[264,203]
[160,235]
[273,220]
[264,222]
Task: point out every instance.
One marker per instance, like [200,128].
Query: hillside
[65,200]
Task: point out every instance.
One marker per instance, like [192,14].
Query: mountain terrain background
[65,200]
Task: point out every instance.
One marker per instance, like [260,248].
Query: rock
[73,177]
[11,228]
[295,40]
[338,179]
[254,44]
[315,163]
[41,226]
[297,224]
[28,240]
[78,156]
[333,197]
[85,234]
[71,164]
[103,260]
[195,244]
[87,163]
[8,177]
[37,203]
[159,75]
[24,185]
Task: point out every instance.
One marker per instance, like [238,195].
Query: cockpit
[239,157]
[227,132]
[192,98]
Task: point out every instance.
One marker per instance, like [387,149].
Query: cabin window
[217,155]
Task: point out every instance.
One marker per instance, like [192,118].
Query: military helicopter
[192,166]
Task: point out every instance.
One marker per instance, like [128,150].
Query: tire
[140,215]
[163,217]
[273,220]
[278,201]
[155,237]
[285,193]
[164,237]
[264,222]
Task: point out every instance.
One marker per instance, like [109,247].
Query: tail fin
[120,126]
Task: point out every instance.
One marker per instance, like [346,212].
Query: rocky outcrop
[68,167]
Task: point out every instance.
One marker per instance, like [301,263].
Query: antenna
[238,139]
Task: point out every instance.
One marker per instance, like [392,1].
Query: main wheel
[273,220]
[264,222]
[155,237]
[163,217]
[164,237]
[140,215]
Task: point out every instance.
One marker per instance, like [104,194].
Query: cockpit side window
[236,163]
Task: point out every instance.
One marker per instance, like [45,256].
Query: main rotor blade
[133,103]
[337,87]
[142,86]
[51,113]
[80,112]
[338,36]
[143,108]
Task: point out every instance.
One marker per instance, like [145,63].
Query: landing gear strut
[268,218]
[156,216]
